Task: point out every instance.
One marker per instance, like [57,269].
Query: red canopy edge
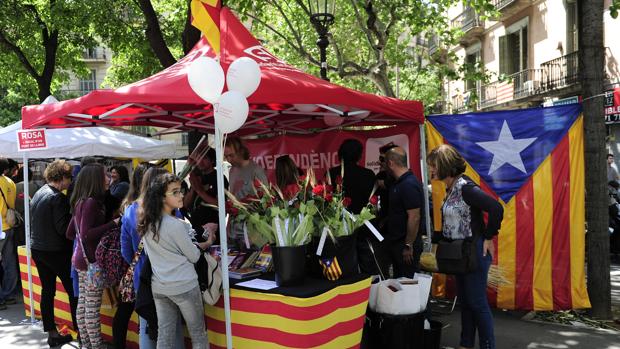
[166,99]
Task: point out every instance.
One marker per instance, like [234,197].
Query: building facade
[530,52]
[98,60]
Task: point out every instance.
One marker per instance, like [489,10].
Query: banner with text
[320,151]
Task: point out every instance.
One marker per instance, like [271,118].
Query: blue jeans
[148,343]
[9,264]
[475,311]
[189,305]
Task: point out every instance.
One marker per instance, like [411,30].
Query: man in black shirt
[203,192]
[357,184]
[403,239]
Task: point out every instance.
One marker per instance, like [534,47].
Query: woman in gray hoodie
[172,254]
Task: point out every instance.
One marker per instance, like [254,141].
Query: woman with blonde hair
[462,218]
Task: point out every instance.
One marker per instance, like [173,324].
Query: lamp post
[322,16]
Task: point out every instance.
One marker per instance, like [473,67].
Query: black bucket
[432,336]
[344,250]
[290,264]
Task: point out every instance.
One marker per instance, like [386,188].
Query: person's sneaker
[3,305]
[10,301]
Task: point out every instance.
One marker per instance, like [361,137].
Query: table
[320,313]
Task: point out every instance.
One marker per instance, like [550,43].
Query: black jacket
[49,217]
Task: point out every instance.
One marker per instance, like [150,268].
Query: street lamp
[322,16]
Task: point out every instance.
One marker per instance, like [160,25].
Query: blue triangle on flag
[506,147]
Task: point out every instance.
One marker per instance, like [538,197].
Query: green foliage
[121,25]
[613,8]
[373,43]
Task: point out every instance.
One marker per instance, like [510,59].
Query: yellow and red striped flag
[206,17]
[532,161]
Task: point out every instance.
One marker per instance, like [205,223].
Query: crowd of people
[165,224]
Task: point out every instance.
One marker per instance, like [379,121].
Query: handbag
[214,285]
[126,286]
[94,273]
[457,256]
[13,218]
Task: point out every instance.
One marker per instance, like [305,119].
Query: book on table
[244,273]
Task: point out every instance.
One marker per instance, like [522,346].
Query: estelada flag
[206,17]
[532,161]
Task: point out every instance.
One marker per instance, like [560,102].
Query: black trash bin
[432,336]
[393,331]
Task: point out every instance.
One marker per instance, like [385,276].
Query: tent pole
[223,235]
[424,169]
[27,232]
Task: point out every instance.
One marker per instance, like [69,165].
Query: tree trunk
[191,34]
[155,36]
[591,59]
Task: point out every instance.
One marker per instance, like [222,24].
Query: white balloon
[332,120]
[305,108]
[206,78]
[243,75]
[231,111]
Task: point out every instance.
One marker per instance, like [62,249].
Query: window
[90,83]
[572,27]
[513,49]
[184,139]
[471,61]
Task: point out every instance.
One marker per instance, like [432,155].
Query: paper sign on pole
[31,140]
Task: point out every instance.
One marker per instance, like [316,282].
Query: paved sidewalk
[513,333]
[17,332]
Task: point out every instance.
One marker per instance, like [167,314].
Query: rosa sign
[31,140]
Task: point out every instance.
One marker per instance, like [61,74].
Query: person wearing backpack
[172,254]
[51,250]
[87,226]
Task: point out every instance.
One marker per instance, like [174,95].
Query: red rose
[346,201]
[302,178]
[257,183]
[318,189]
[290,191]
[328,198]
[329,189]
[374,200]
[339,180]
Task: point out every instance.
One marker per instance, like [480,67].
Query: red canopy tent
[167,100]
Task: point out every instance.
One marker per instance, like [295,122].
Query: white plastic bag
[398,297]
[374,288]
[424,281]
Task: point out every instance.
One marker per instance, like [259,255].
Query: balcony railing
[467,20]
[97,53]
[561,72]
[463,102]
[526,83]
[488,95]
[500,4]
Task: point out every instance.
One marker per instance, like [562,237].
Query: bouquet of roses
[283,217]
[333,218]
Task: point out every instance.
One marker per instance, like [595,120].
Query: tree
[591,57]
[41,43]
[374,45]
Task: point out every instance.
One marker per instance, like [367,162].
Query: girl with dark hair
[120,182]
[130,239]
[88,226]
[172,254]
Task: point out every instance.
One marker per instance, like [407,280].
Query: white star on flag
[506,150]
